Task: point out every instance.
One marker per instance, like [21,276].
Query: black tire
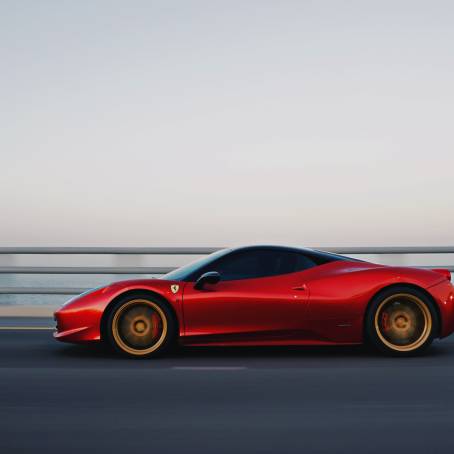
[401,321]
[141,325]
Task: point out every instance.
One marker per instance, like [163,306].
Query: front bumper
[72,335]
[77,324]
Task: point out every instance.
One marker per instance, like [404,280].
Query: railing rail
[157,270]
[41,290]
[369,250]
[85,269]
[109,250]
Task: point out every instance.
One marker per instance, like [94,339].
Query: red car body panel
[80,319]
[246,311]
[322,305]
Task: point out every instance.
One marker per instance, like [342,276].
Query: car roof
[313,253]
[271,247]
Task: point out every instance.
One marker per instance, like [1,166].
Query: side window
[290,262]
[243,265]
[260,263]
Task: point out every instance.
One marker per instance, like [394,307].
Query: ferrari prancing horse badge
[174,288]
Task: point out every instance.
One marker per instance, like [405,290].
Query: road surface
[61,398]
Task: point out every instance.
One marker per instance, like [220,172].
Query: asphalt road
[62,398]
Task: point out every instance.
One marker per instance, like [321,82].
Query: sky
[218,123]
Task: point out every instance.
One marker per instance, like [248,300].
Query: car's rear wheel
[401,321]
[140,325]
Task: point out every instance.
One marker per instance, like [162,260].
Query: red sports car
[267,295]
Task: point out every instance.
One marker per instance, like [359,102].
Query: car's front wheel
[140,325]
[401,321]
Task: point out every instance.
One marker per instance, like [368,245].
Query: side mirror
[212,277]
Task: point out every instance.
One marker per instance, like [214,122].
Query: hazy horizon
[223,123]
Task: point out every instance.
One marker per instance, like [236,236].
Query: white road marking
[25,328]
[209,367]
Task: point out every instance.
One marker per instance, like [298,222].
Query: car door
[261,298]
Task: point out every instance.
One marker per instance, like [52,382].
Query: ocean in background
[94,280]
[55,280]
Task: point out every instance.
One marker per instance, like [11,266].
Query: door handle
[302,287]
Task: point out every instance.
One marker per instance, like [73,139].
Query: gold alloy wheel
[403,322]
[139,327]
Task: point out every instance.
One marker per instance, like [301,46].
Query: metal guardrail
[208,250]
[157,270]
[109,250]
[85,270]
[41,291]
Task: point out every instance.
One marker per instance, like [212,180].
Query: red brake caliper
[384,321]
[154,324]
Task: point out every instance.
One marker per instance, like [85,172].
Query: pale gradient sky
[222,123]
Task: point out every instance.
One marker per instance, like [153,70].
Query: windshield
[181,274]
